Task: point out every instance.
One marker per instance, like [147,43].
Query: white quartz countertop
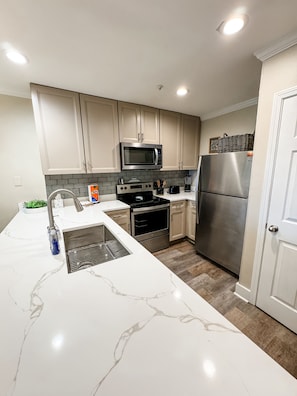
[188,196]
[125,327]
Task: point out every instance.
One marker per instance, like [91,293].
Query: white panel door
[277,292]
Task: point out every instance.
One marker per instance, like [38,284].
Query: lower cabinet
[122,218]
[177,220]
[191,220]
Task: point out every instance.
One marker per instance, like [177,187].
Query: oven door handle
[150,208]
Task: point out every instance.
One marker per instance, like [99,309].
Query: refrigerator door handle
[197,189]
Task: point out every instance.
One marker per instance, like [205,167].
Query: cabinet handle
[139,137]
[85,166]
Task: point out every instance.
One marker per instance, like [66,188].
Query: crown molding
[230,109]
[281,45]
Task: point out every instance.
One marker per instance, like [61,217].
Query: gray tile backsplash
[107,181]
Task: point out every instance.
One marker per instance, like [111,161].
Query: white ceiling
[123,49]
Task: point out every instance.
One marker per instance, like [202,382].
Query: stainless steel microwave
[141,156]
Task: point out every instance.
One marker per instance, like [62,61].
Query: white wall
[19,157]
[238,122]
[278,73]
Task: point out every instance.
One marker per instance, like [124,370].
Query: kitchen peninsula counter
[125,327]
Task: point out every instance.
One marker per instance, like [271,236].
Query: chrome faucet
[52,231]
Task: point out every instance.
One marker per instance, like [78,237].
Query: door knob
[273,228]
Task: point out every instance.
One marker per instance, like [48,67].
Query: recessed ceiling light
[182,91]
[16,57]
[232,25]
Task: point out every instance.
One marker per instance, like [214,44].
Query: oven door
[150,226]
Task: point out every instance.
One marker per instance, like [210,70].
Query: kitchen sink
[89,246]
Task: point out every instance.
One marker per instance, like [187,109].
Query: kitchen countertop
[126,327]
[188,196]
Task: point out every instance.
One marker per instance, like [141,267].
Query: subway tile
[108,181]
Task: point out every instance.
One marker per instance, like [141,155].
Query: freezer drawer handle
[273,228]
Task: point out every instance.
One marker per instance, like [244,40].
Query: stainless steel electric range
[149,214]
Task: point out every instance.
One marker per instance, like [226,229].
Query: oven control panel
[134,187]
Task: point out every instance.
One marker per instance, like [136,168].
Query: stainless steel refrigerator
[223,187]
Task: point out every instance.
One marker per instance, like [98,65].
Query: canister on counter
[93,191]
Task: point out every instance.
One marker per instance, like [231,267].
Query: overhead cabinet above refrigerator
[223,189]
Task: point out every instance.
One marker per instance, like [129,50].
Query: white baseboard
[242,292]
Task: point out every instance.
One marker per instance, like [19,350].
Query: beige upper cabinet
[179,135]
[58,124]
[77,133]
[101,137]
[190,142]
[80,133]
[170,138]
[138,124]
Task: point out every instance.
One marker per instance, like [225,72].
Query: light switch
[17,181]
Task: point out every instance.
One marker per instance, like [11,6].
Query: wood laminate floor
[216,286]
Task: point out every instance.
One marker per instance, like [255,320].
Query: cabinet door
[177,220]
[129,122]
[122,218]
[138,124]
[191,220]
[170,138]
[190,141]
[149,125]
[58,125]
[101,136]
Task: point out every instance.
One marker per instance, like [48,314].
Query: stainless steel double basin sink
[89,246]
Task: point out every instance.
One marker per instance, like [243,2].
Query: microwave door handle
[156,156]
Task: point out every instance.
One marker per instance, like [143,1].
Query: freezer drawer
[219,234]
